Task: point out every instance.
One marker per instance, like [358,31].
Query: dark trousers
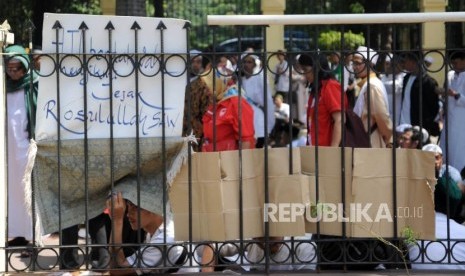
[99,231]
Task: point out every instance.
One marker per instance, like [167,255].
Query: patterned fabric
[200,97]
[60,180]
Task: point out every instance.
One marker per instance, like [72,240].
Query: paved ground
[47,261]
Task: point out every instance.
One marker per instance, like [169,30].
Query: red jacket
[329,102]
[227,125]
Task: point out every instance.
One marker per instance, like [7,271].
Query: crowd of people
[399,106]
[230,105]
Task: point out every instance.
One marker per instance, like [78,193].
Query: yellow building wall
[108,7]
[274,33]
[434,35]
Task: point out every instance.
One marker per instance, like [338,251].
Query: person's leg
[100,256]
[69,237]
[131,236]
[260,142]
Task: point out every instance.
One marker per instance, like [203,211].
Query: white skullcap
[388,57]
[248,54]
[363,52]
[195,52]
[424,132]
[401,128]
[429,59]
[432,148]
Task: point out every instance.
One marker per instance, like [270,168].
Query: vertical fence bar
[31,69]
[161,27]
[135,27]
[290,63]
[3,159]
[394,63]
[57,27]
[109,27]
[308,125]
[187,27]
[447,63]
[239,30]
[83,27]
[343,160]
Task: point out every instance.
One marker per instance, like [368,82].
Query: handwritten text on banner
[111,76]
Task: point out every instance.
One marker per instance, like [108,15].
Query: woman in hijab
[21,87]
[325,92]
[233,120]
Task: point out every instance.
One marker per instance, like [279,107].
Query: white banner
[100,84]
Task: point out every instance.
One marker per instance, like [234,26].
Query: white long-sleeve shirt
[254,88]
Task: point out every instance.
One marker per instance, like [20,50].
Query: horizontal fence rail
[335,19]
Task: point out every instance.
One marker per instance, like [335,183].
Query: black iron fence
[313,252]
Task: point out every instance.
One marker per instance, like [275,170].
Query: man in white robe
[455,115]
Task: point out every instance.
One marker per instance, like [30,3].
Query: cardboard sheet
[368,190]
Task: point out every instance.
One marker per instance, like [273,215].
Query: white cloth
[152,255]
[456,123]
[360,103]
[282,112]
[300,142]
[299,86]
[436,251]
[19,219]
[283,77]
[453,173]
[389,81]
[405,108]
[254,92]
[348,73]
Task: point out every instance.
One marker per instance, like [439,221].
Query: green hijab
[29,82]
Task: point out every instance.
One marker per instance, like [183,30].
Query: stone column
[108,7]
[274,33]
[434,34]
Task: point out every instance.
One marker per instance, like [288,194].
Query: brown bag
[355,134]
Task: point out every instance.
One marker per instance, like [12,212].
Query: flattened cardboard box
[329,183]
[216,200]
[373,184]
[217,203]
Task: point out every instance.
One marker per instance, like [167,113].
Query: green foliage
[356,8]
[406,6]
[83,7]
[20,13]
[409,235]
[319,209]
[331,40]
[201,35]
[149,7]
